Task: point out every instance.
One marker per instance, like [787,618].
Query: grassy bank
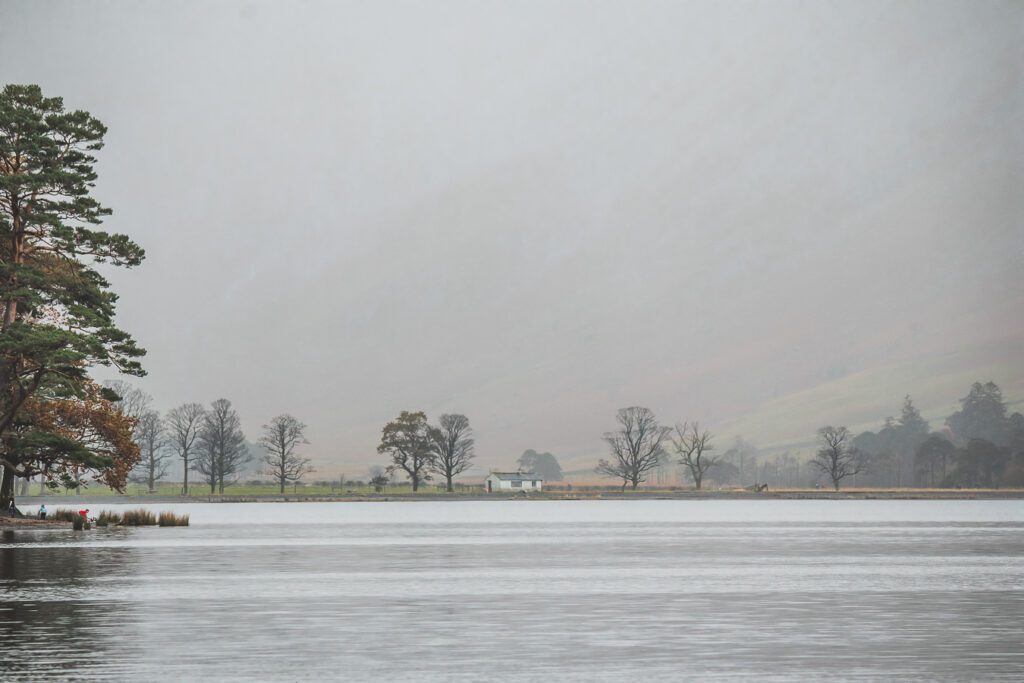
[173,491]
[65,517]
[577,493]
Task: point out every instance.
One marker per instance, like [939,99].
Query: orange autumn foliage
[94,422]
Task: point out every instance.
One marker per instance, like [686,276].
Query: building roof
[517,476]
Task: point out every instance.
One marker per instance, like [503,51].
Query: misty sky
[765,216]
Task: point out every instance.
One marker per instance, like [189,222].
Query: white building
[513,481]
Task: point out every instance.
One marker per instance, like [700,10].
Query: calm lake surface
[553,590]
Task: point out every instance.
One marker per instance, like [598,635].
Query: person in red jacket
[84,513]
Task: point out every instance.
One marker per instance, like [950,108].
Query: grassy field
[168,489]
[322,491]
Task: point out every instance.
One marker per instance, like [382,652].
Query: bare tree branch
[836,457]
[183,426]
[453,445]
[636,447]
[691,443]
[281,437]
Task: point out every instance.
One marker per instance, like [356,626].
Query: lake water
[524,590]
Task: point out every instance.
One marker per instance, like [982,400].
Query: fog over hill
[538,213]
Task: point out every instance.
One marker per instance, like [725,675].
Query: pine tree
[982,415]
[57,309]
[911,432]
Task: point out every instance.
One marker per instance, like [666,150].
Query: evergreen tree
[980,464]
[886,461]
[913,428]
[932,458]
[911,432]
[1014,474]
[982,415]
[57,309]
[543,464]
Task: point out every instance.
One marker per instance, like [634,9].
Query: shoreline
[783,494]
[31,523]
[34,523]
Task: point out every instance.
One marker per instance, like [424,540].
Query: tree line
[979,445]
[56,423]
[57,322]
[641,444]
[422,450]
[208,440]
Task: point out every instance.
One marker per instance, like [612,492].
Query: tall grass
[172,519]
[107,518]
[138,517]
[63,515]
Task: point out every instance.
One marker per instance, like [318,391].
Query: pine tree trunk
[7,490]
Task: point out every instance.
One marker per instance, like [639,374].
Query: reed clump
[107,518]
[172,519]
[63,515]
[138,517]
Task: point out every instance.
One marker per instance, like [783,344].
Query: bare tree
[453,445]
[635,446]
[205,461]
[692,443]
[222,450]
[281,437]
[836,457]
[129,400]
[183,426]
[149,434]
